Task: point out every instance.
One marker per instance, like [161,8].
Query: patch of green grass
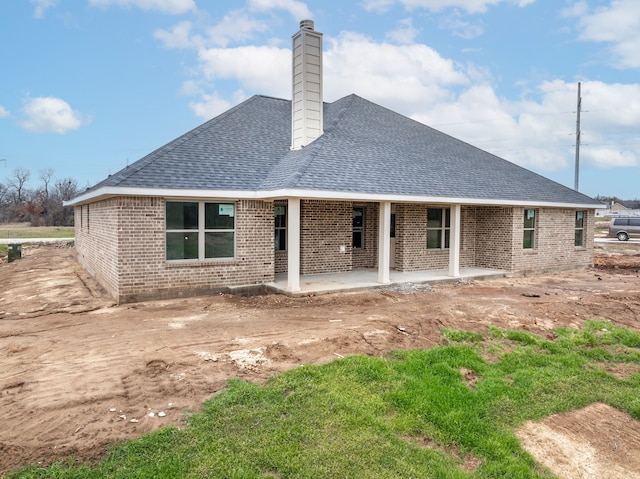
[411,414]
[457,336]
[26,232]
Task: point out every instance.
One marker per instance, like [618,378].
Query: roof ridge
[316,146]
[307,153]
[269,97]
[348,100]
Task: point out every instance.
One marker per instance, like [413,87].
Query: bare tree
[66,188]
[18,183]
[63,190]
[46,175]
[4,195]
[41,207]
[4,202]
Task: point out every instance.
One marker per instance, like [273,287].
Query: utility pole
[575,187]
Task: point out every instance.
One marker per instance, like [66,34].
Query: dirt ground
[78,373]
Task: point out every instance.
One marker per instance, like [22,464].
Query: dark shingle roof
[234,151]
[365,149]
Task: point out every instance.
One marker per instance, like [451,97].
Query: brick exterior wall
[96,241]
[121,242]
[124,248]
[554,241]
[494,237]
[411,239]
[325,227]
[320,222]
[491,237]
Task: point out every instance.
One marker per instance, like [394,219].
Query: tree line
[40,206]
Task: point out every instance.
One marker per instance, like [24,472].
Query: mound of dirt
[597,442]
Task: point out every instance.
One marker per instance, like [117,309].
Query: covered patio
[361,279]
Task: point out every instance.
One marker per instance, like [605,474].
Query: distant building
[615,208]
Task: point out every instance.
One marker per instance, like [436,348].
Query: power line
[509,118]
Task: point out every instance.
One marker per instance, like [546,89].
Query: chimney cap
[306,25]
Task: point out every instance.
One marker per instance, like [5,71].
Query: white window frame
[358,229]
[281,229]
[201,230]
[580,229]
[445,230]
[532,229]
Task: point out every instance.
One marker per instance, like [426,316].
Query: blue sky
[89,86]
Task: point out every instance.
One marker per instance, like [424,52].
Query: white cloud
[236,26]
[50,114]
[382,72]
[377,5]
[173,7]
[388,74]
[263,69]
[576,10]
[405,32]
[617,24]
[4,113]
[470,6]
[459,27]
[212,104]
[298,10]
[392,75]
[539,133]
[209,105]
[41,7]
[178,36]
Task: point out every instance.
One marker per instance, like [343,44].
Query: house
[275,187]
[619,208]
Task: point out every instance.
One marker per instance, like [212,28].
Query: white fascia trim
[343,195]
[110,191]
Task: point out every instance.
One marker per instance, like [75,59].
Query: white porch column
[384,241]
[293,245]
[454,242]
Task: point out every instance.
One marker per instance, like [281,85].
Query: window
[438,228]
[579,228]
[529,229]
[281,227]
[393,226]
[198,230]
[358,228]
[84,219]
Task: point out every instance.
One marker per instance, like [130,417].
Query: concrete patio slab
[361,279]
